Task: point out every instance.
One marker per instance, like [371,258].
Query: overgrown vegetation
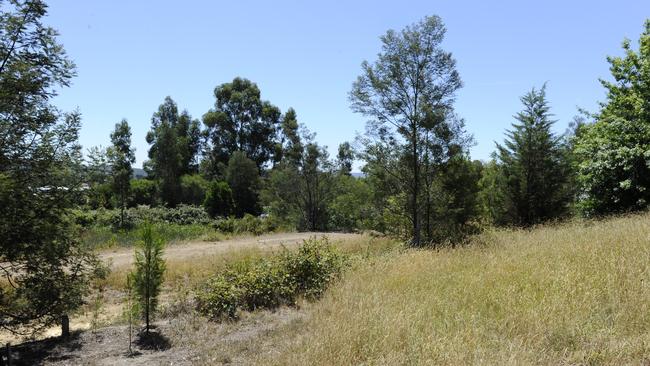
[568,294]
[272,281]
[544,293]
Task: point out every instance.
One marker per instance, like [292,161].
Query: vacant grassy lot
[577,293]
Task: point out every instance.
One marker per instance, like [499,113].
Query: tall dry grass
[576,293]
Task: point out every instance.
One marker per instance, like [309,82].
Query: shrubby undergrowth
[271,282]
[103,228]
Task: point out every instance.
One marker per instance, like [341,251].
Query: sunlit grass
[575,293]
[102,237]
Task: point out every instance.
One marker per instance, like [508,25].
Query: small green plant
[271,282]
[97,304]
[148,274]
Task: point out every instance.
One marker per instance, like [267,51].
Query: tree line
[246,156]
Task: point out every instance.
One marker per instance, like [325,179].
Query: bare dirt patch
[123,257]
[184,340]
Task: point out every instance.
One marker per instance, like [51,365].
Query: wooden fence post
[65,326]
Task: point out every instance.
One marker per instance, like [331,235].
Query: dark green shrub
[143,192]
[127,223]
[84,218]
[193,189]
[248,224]
[312,267]
[100,196]
[218,199]
[220,297]
[271,282]
[181,214]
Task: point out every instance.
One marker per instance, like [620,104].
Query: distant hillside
[139,173]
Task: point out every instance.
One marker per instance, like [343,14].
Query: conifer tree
[149,271]
[45,269]
[534,164]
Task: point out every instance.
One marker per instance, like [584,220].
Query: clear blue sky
[131,54]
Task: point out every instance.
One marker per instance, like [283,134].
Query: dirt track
[124,256]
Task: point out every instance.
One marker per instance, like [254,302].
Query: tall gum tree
[412,80]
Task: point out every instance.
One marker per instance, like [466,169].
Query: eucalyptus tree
[121,156]
[408,93]
[175,140]
[241,121]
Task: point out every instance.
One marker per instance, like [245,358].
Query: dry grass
[188,271]
[576,293]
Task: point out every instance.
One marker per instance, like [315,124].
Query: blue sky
[131,54]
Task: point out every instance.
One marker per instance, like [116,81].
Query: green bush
[271,282]
[143,192]
[248,224]
[218,199]
[193,189]
[84,218]
[100,196]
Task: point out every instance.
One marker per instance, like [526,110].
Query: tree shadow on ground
[50,349]
[152,341]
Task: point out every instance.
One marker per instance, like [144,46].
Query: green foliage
[248,224]
[454,201]
[535,166]
[46,272]
[613,154]
[241,121]
[180,215]
[345,158]
[193,189]
[299,190]
[242,176]
[614,166]
[143,192]
[351,208]
[408,93]
[100,196]
[121,156]
[102,237]
[148,272]
[218,199]
[292,147]
[271,282]
[175,142]
[492,198]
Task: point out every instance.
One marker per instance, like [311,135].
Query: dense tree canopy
[614,152]
[241,121]
[175,141]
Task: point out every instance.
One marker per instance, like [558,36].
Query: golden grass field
[574,293]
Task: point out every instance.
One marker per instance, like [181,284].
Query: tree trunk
[416,191]
[65,326]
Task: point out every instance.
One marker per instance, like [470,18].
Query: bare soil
[124,256]
[185,340]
